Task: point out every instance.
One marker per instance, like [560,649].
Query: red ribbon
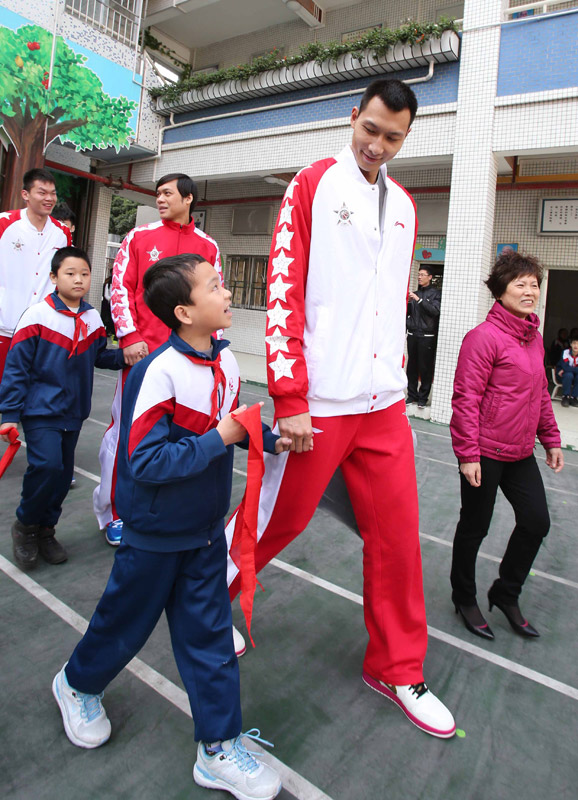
[245,535]
[220,383]
[80,327]
[11,450]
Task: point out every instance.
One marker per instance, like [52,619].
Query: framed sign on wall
[558,217]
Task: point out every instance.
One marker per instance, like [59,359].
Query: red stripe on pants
[375,452]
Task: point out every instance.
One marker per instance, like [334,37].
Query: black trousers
[521,483]
[421,359]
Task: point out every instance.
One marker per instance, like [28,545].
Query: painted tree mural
[73,107]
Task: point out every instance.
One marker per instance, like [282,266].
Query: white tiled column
[97,238]
[472,198]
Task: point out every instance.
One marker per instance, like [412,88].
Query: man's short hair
[168,284]
[63,212]
[36,174]
[185,185]
[68,252]
[426,268]
[396,95]
[509,266]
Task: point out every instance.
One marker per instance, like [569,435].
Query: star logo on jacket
[281,264]
[18,245]
[154,254]
[282,366]
[343,215]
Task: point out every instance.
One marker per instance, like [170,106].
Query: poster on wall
[558,216]
[66,92]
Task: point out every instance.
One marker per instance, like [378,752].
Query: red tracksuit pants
[375,453]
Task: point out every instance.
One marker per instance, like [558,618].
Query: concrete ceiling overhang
[199,23]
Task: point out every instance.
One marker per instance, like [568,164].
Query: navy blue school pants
[191,587]
[570,382]
[50,453]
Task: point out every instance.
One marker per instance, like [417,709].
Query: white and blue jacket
[174,475]
[48,377]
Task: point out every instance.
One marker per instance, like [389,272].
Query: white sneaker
[239,642]
[236,770]
[419,705]
[85,720]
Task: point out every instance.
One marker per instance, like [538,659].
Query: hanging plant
[376,41]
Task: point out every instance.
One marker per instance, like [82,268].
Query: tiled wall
[538,53]
[98,235]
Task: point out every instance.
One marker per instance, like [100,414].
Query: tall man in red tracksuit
[138,330]
[28,239]
[338,282]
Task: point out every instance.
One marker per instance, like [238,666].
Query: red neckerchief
[80,328]
[11,450]
[220,382]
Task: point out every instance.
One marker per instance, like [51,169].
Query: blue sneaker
[84,718]
[113,532]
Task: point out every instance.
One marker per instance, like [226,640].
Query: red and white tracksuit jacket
[144,246]
[135,322]
[338,282]
[25,257]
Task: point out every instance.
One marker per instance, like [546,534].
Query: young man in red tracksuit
[338,282]
[28,239]
[138,330]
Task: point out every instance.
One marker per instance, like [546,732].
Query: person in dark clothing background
[423,312]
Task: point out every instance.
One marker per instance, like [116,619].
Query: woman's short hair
[509,266]
[168,284]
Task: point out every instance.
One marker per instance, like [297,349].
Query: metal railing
[120,19]
[543,7]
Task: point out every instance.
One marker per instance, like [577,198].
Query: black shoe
[574,401]
[515,617]
[410,401]
[25,545]
[474,620]
[51,550]
[565,401]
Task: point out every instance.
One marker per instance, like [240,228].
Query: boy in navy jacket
[173,490]
[47,386]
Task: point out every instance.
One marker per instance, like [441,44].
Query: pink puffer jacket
[501,400]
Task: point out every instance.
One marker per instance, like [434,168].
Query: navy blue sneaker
[113,532]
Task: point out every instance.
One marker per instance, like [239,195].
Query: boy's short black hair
[185,185]
[68,252]
[36,174]
[62,212]
[509,266]
[168,284]
[395,94]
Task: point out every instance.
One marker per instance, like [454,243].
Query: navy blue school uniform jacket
[49,371]
[174,472]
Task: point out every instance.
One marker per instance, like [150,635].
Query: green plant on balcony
[376,41]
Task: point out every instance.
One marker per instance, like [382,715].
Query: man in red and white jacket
[28,240]
[139,331]
[338,283]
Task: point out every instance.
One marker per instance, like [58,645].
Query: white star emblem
[343,215]
[278,315]
[278,290]
[285,215]
[283,239]
[154,253]
[282,366]
[281,264]
[290,189]
[277,341]
[5,215]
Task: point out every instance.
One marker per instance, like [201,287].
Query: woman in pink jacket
[500,404]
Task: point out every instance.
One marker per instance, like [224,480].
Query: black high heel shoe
[515,618]
[468,614]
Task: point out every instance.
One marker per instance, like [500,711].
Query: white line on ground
[98,422]
[455,465]
[535,572]
[499,661]
[295,783]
